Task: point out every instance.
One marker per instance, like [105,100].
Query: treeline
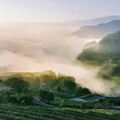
[45,86]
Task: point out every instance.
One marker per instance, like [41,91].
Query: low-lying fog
[36,47]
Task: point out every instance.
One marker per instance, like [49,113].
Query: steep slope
[111,43]
[108,48]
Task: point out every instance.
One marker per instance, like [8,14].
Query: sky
[56,10]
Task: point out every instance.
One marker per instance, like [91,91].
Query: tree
[17,84]
[48,78]
[116,70]
[82,91]
[46,96]
[20,98]
[67,83]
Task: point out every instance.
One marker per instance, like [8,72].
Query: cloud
[34,48]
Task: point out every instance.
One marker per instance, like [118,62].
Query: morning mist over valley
[59,57]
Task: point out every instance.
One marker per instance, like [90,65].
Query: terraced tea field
[15,112]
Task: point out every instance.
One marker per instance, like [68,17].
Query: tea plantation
[17,112]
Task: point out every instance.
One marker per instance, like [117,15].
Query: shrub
[17,84]
[46,96]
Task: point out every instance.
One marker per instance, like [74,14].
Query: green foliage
[66,84]
[49,78]
[106,70]
[111,43]
[109,70]
[16,98]
[110,101]
[72,104]
[116,70]
[92,56]
[82,91]
[20,98]
[17,84]
[4,97]
[107,49]
[59,85]
[16,112]
[46,95]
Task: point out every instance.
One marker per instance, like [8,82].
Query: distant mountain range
[98,31]
[93,21]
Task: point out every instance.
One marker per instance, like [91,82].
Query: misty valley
[51,67]
[59,60]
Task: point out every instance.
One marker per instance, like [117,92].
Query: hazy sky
[56,10]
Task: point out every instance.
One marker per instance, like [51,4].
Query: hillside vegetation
[106,55]
[107,49]
[52,96]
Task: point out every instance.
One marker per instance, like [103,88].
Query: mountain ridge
[98,31]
